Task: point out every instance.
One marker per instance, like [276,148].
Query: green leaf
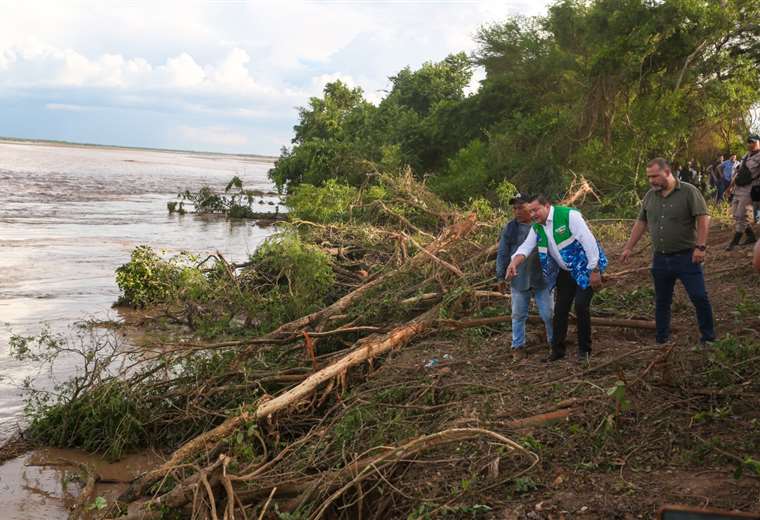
[99,503]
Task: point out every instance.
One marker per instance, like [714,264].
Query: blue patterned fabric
[574,257]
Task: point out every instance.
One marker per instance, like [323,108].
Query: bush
[505,191]
[145,279]
[90,410]
[148,279]
[482,208]
[105,419]
[329,203]
[290,278]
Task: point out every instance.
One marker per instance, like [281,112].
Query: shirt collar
[550,216]
[675,188]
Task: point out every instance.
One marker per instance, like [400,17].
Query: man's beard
[657,187]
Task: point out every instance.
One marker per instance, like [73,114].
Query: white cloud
[183,71]
[66,107]
[212,66]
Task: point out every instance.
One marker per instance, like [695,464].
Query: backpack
[744,177]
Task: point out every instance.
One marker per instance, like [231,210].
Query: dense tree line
[592,88]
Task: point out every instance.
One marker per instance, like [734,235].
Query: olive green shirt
[672,220]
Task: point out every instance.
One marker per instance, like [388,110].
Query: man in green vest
[572,261]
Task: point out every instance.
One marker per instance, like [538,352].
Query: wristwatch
[701,248]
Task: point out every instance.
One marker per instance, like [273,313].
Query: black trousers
[567,292]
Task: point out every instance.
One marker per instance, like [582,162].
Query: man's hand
[596,279]
[698,256]
[511,270]
[501,286]
[625,255]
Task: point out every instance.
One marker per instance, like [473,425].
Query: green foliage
[342,136]
[235,202]
[592,88]
[748,306]
[98,504]
[505,192]
[753,465]
[287,278]
[90,410]
[149,279]
[532,443]
[524,485]
[617,393]
[633,302]
[329,203]
[466,175]
[482,208]
[105,420]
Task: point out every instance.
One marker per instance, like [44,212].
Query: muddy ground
[688,432]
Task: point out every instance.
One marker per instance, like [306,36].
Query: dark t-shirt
[672,220]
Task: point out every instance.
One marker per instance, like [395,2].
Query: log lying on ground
[599,322]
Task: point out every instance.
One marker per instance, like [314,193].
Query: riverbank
[409,350]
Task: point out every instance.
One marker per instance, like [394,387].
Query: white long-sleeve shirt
[580,231]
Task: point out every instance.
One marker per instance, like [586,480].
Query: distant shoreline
[69,144]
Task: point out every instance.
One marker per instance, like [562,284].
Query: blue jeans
[520,304]
[666,269]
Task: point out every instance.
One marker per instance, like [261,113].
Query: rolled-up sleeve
[526,248]
[583,234]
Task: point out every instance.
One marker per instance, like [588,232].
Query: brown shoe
[519,354]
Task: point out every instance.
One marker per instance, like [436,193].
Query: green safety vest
[561,230]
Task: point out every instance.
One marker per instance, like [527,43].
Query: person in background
[529,280]
[742,208]
[572,260]
[697,178]
[727,169]
[716,178]
[675,213]
[756,257]
[687,173]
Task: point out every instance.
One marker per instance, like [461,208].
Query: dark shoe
[751,239]
[734,241]
[554,356]
[518,354]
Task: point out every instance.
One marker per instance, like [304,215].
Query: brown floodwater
[69,216]
[45,484]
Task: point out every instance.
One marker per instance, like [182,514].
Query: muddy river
[69,216]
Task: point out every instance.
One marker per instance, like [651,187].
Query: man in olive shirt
[676,215]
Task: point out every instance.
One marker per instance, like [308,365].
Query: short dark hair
[660,163]
[519,200]
[540,198]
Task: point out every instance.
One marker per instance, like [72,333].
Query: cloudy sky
[221,76]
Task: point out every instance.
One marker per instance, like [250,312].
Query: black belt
[674,253]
